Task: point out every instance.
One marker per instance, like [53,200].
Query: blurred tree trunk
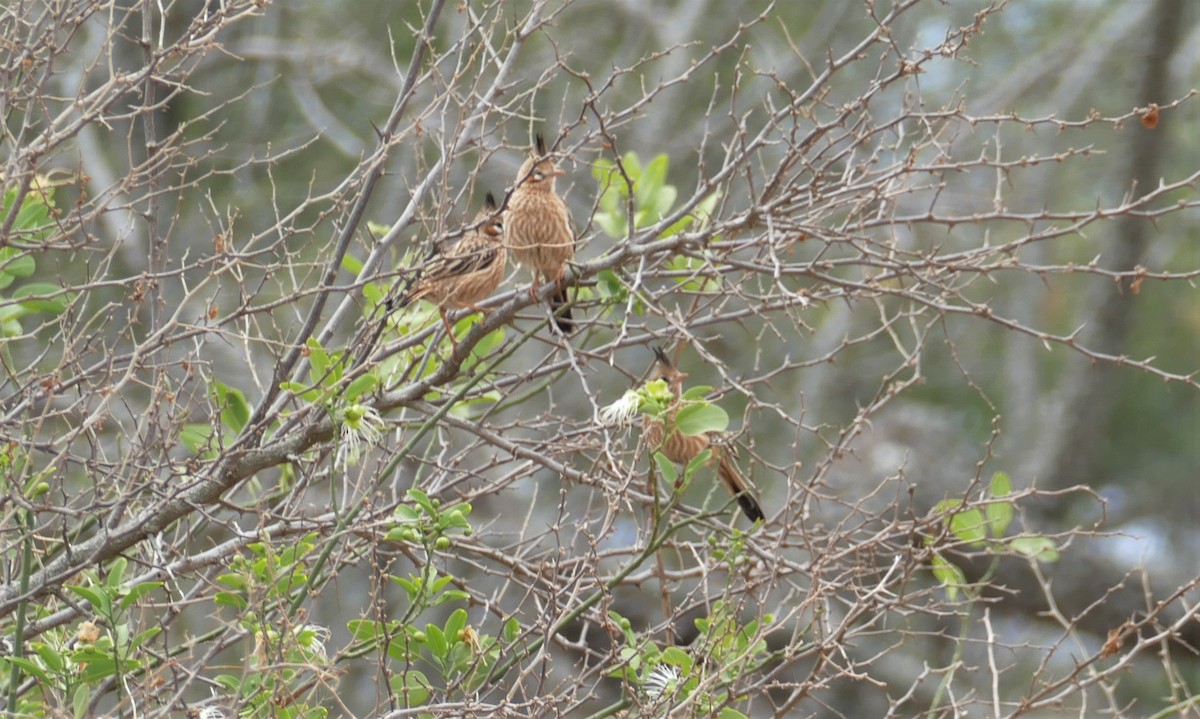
[1086,410]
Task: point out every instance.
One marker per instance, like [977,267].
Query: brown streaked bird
[538,230]
[681,448]
[467,272]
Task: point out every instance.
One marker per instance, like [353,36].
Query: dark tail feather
[737,486]
[560,307]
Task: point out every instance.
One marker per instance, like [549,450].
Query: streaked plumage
[681,448]
[466,273]
[538,228]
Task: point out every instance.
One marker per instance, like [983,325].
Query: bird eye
[538,175]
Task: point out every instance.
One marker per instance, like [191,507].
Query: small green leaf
[651,180]
[999,516]
[31,668]
[16,263]
[1035,547]
[318,359]
[50,656]
[435,640]
[949,575]
[195,436]
[52,300]
[632,165]
[1001,485]
[81,700]
[730,713]
[696,392]
[352,264]
[701,418]
[677,657]
[412,687]
[138,591]
[612,223]
[229,599]
[696,463]
[512,630]
[969,526]
[360,386]
[235,410]
[665,467]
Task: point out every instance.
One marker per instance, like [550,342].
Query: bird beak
[558,172]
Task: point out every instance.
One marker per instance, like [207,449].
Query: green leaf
[677,657]
[696,463]
[99,600]
[352,264]
[143,637]
[999,516]
[949,575]
[632,165]
[229,599]
[651,180]
[80,700]
[412,687]
[696,392]
[55,302]
[360,386]
[195,436]
[235,410]
[50,656]
[1001,485]
[138,591]
[455,624]
[1036,547]
[31,668]
[318,360]
[512,630]
[612,223]
[16,263]
[435,641]
[484,346]
[730,713]
[969,526]
[701,418]
[665,467]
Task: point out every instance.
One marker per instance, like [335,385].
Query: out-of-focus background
[936,263]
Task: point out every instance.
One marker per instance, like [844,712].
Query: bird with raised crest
[682,449]
[538,230]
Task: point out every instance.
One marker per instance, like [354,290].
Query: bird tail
[560,307]
[737,486]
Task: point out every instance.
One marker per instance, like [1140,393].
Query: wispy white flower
[661,680]
[622,411]
[362,427]
[211,713]
[316,642]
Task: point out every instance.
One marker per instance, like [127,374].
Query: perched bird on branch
[539,231]
[467,272]
[681,448]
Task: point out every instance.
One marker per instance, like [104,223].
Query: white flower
[361,427]
[622,411]
[661,680]
[316,642]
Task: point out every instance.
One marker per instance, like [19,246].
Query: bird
[538,229]
[464,274]
[681,448]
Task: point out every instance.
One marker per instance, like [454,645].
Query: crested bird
[467,272]
[681,448]
[538,229]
